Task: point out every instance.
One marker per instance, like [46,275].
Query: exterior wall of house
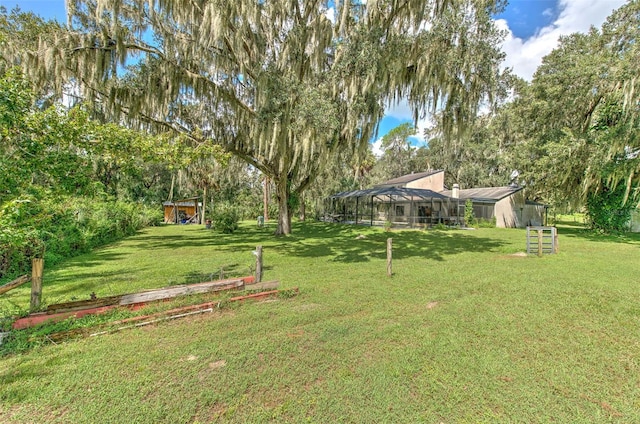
[433,182]
[509,212]
[505,212]
[484,210]
[533,214]
[513,212]
[635,221]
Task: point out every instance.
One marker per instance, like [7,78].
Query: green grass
[464,331]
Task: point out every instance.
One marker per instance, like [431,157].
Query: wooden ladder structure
[542,240]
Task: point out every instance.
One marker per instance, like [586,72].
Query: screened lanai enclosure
[399,207]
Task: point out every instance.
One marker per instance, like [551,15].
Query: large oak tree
[283,84]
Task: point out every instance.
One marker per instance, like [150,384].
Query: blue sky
[525,17]
[533,28]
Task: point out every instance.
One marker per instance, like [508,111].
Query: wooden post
[540,242]
[15,283]
[556,245]
[37,268]
[389,256]
[258,254]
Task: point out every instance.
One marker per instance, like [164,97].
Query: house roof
[485,194]
[408,178]
[392,191]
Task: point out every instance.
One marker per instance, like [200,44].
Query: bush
[225,218]
[469,217]
[40,226]
[609,210]
[486,223]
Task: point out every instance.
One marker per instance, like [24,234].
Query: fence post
[539,242]
[37,268]
[389,256]
[258,254]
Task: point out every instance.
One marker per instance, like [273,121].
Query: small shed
[182,211]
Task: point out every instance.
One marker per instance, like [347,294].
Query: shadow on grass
[593,235]
[88,260]
[334,241]
[226,271]
[340,243]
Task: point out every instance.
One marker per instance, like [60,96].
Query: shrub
[469,217]
[61,227]
[225,218]
[486,223]
[609,211]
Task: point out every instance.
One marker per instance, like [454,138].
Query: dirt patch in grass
[217,364]
[514,255]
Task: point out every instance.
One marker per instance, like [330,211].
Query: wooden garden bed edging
[144,320]
[182,312]
[78,309]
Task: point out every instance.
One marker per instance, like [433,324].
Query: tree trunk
[303,209]
[173,180]
[203,212]
[265,199]
[284,216]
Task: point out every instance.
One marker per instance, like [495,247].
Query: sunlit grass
[464,331]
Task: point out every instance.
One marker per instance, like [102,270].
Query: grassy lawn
[464,331]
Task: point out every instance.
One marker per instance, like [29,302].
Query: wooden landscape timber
[144,320]
[78,309]
[15,283]
[171,292]
[184,311]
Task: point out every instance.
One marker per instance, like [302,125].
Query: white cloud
[547,12]
[400,110]
[376,147]
[331,14]
[524,56]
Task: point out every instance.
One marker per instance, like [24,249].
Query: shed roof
[182,203]
[486,194]
[404,192]
[408,178]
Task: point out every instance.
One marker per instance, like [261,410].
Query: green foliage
[63,226]
[486,223]
[469,217]
[578,119]
[440,226]
[225,218]
[398,158]
[290,98]
[608,210]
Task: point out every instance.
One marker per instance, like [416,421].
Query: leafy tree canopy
[285,85]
